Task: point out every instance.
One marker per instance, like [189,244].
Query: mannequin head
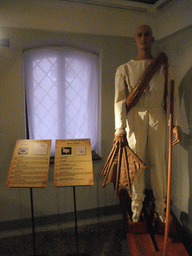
[144,37]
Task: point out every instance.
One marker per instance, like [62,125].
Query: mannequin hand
[120,140]
[177,134]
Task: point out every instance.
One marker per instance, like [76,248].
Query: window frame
[95,153]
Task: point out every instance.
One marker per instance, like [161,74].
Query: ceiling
[134,5]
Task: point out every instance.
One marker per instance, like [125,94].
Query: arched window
[61,94]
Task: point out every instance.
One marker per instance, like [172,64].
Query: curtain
[61,94]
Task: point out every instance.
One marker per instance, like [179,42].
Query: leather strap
[133,97]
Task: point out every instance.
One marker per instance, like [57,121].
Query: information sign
[30,164]
[73,163]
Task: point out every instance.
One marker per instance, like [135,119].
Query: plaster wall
[72,17]
[108,33]
[179,50]
[112,51]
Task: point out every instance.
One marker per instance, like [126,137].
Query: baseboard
[90,214]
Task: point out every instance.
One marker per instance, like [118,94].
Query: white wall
[70,17]
[15,203]
[66,16]
[179,50]
[176,16]
[100,30]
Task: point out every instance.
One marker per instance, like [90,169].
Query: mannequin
[145,124]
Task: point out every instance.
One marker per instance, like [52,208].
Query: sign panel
[73,163]
[30,164]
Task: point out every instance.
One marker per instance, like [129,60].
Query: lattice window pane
[62,94]
[76,95]
[45,98]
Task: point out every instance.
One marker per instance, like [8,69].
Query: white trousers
[147,127]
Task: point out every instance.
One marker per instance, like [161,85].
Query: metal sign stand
[76,230]
[33,225]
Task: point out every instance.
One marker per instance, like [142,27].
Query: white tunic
[126,78]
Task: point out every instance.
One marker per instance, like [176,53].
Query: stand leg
[33,223]
[75,211]
[76,231]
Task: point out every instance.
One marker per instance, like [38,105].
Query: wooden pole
[169,170]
